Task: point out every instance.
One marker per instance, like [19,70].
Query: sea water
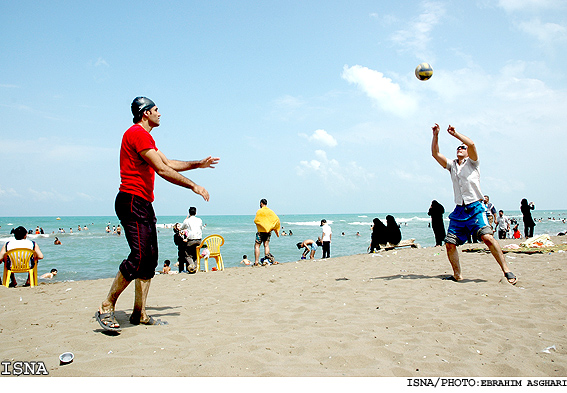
[93,253]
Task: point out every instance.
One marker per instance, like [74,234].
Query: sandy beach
[373,315]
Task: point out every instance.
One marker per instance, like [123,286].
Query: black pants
[138,219]
[183,258]
[529,230]
[326,249]
[502,234]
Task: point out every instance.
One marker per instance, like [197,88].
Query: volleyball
[423,71]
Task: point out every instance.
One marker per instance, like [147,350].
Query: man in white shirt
[193,227]
[326,238]
[502,225]
[469,215]
[21,241]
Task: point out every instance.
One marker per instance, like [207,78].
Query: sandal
[107,321]
[511,278]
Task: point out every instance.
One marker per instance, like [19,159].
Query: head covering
[393,233]
[139,106]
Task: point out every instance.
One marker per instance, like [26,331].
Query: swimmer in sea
[49,275]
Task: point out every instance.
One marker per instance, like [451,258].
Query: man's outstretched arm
[155,160]
[181,166]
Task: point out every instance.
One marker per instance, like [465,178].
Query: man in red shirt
[140,160]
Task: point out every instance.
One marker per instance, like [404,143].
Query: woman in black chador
[393,233]
[378,235]
[436,211]
[529,223]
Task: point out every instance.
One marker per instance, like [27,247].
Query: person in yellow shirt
[266,221]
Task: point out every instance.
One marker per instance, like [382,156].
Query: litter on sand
[548,349]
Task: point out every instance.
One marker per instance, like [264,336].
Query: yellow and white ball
[423,71]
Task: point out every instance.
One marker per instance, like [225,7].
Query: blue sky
[311,104]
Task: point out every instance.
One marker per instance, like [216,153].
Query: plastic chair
[214,243]
[20,260]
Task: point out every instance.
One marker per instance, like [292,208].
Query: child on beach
[245,260]
[517,233]
[166,268]
[310,247]
[205,252]
[49,275]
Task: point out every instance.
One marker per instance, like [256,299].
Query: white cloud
[101,63]
[47,196]
[8,192]
[53,152]
[417,36]
[288,101]
[386,94]
[333,174]
[323,137]
[544,32]
[519,5]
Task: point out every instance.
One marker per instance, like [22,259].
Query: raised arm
[471,148]
[440,158]
[165,169]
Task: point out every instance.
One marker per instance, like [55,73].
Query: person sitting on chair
[21,241]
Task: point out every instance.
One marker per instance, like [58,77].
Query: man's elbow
[163,171]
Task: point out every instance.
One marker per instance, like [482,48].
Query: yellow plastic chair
[214,243]
[20,259]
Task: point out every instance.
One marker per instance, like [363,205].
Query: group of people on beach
[140,160]
[310,246]
[116,229]
[384,234]
[505,227]
[187,237]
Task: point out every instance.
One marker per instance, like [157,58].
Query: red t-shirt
[136,175]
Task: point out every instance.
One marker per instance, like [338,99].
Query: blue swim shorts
[466,220]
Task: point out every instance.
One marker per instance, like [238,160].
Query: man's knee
[450,246]
[486,237]
[485,231]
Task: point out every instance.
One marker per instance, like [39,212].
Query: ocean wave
[360,223]
[418,219]
[34,236]
[167,226]
[308,223]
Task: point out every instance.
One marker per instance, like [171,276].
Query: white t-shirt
[22,243]
[466,181]
[194,226]
[502,223]
[326,233]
